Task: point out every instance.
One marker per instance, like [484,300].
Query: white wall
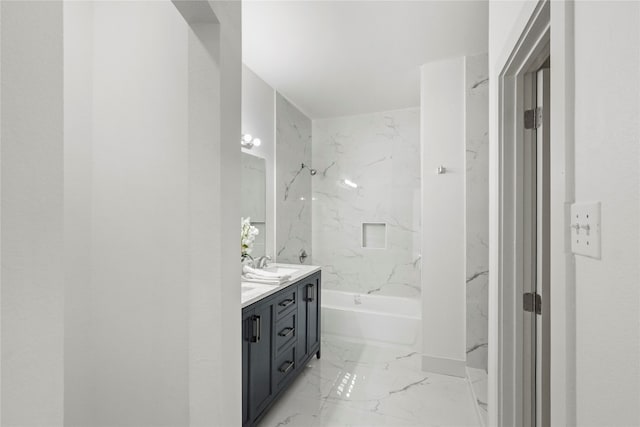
[607,149]
[215,367]
[32,277]
[258,120]
[606,385]
[78,130]
[1,138]
[136,311]
[443,217]
[215,314]
[150,287]
[505,20]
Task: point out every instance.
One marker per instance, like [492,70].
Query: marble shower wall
[293,184]
[477,208]
[379,152]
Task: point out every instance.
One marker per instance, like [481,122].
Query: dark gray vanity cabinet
[309,317]
[258,338]
[247,335]
[280,333]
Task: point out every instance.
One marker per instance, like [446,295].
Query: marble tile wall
[381,154]
[477,208]
[293,184]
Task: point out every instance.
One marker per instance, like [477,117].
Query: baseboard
[439,365]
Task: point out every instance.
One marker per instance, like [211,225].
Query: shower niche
[374,235]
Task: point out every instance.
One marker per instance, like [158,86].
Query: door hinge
[533,118]
[532,302]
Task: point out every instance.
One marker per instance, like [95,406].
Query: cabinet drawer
[285,332]
[286,303]
[285,366]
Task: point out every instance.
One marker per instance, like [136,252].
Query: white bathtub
[387,319]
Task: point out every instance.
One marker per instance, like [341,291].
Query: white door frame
[505,404]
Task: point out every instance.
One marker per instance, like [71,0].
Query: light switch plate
[585,229]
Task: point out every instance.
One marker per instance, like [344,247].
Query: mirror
[253,194]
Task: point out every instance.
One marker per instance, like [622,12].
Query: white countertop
[254,292]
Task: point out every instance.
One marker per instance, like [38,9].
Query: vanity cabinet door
[260,384]
[309,316]
[313,312]
[247,334]
[301,346]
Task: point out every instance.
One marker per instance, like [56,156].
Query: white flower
[248,235]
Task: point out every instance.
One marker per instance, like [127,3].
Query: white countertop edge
[303,271]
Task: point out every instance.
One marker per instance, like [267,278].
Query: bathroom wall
[381,154]
[443,216]
[455,213]
[477,207]
[32,209]
[607,169]
[151,177]
[113,227]
[293,185]
[595,338]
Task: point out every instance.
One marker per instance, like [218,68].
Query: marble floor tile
[383,356]
[293,411]
[338,415]
[356,384]
[317,380]
[479,384]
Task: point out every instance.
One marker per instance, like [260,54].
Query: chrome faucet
[262,261]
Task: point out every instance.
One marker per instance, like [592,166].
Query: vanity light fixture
[247,141]
[350,183]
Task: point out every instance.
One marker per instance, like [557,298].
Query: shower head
[311,170]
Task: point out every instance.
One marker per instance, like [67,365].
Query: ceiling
[335,58]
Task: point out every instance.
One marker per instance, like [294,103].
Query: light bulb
[257,142]
[246,137]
